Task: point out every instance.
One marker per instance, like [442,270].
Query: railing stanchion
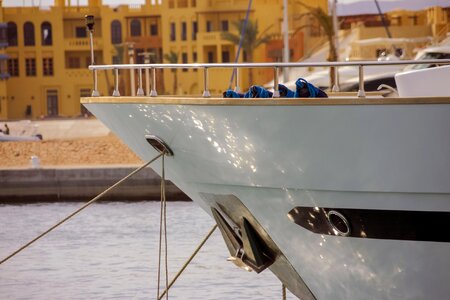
[95,92]
[236,78]
[336,87]
[206,92]
[140,91]
[116,92]
[153,92]
[276,92]
[147,81]
[361,92]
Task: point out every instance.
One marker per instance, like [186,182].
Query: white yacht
[346,197]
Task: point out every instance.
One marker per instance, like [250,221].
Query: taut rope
[78,210]
[188,262]
[163,228]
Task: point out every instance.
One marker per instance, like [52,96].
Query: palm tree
[172,58]
[251,40]
[326,22]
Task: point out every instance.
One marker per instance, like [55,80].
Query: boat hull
[278,158]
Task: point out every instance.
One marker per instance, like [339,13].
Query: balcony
[145,41]
[211,38]
[80,74]
[81,44]
[222,5]
[77,12]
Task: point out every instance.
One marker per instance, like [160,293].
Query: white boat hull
[277,158]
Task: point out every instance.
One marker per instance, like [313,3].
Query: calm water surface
[110,251]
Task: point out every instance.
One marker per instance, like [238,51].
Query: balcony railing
[81,43]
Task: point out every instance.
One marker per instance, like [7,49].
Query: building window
[154,29]
[28,34]
[13,67]
[183,31]
[225,56]
[135,27]
[194,59]
[3,36]
[209,26]
[12,34]
[184,60]
[194,30]
[30,66]
[47,64]
[172,31]
[139,55]
[116,60]
[74,63]
[80,32]
[171,3]
[116,32]
[46,34]
[193,3]
[210,57]
[224,26]
[182,3]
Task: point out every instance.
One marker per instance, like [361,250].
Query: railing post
[140,91]
[206,92]
[276,92]
[361,92]
[153,92]
[336,87]
[236,83]
[116,92]
[147,81]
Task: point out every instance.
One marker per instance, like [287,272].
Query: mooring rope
[163,228]
[283,291]
[80,209]
[188,261]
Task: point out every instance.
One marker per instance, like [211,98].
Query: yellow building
[3,71]
[410,30]
[49,48]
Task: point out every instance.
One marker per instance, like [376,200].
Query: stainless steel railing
[275,66]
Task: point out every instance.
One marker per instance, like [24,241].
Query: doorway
[52,103]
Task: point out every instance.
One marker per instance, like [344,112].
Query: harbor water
[110,251]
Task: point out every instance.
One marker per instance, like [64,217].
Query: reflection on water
[110,251]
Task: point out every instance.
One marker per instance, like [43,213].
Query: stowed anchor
[248,250]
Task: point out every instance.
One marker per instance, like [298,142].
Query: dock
[82,183]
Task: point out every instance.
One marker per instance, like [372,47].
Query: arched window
[46,34]
[28,34]
[12,34]
[116,32]
[135,27]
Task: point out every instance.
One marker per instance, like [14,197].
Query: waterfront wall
[82,184]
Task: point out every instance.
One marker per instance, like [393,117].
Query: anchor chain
[99,196]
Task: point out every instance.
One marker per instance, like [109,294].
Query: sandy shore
[71,143]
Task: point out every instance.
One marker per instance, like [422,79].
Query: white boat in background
[341,198]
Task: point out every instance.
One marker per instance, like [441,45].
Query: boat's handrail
[275,66]
[270,65]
